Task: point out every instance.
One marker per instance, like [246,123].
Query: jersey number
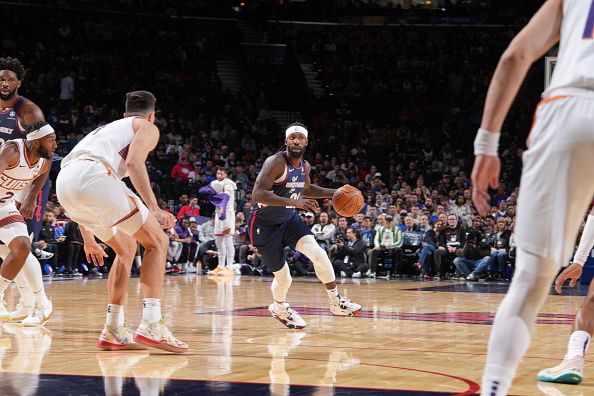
[6,197]
[295,196]
[589,30]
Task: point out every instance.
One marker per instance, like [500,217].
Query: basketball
[347,201]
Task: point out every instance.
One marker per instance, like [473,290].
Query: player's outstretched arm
[272,169]
[312,190]
[541,33]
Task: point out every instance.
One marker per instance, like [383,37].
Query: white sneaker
[357,275]
[158,335]
[5,315]
[43,255]
[343,274]
[118,338]
[343,307]
[569,371]
[39,316]
[21,312]
[368,273]
[191,269]
[371,275]
[287,316]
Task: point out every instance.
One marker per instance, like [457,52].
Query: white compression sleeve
[322,265]
[281,283]
[510,336]
[586,242]
[222,252]
[230,253]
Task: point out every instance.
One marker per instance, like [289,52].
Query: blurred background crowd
[391,98]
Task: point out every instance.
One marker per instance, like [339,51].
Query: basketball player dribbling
[24,164]
[90,188]
[283,185]
[558,170]
[570,370]
[16,113]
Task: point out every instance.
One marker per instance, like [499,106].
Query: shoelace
[162,327]
[124,331]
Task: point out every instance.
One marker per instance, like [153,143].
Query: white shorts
[12,223]
[557,177]
[99,201]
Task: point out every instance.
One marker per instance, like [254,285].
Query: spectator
[500,249]
[324,231]
[350,255]
[449,244]
[309,218]
[387,243]
[475,258]
[190,210]
[74,249]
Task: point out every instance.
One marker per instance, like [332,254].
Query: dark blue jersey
[289,185]
[10,126]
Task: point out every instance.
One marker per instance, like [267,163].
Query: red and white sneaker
[157,335]
[117,339]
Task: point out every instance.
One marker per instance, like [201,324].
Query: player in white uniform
[24,164]
[558,172]
[224,230]
[90,188]
[569,371]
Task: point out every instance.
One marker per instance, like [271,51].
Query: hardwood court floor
[412,338]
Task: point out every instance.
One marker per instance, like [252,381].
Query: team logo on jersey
[6,130]
[12,114]
[258,230]
[12,184]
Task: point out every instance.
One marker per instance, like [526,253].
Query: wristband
[486,143]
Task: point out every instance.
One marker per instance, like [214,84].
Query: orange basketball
[347,201]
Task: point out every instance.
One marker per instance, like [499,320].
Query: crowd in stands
[397,120]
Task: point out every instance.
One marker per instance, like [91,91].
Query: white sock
[586,242]
[333,293]
[27,297]
[578,344]
[151,310]
[4,283]
[115,316]
[41,299]
[219,242]
[230,251]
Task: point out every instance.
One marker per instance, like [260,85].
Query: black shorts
[271,239]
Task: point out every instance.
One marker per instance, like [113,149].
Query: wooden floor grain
[411,336]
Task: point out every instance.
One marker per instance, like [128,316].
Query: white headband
[41,132]
[295,129]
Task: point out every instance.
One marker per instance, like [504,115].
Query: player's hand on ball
[165,219]
[485,174]
[94,253]
[311,205]
[573,272]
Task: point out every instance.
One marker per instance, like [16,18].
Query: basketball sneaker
[343,307]
[215,271]
[5,315]
[39,316]
[21,312]
[158,335]
[117,339]
[569,371]
[228,271]
[287,316]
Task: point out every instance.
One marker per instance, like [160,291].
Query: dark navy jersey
[10,127]
[289,185]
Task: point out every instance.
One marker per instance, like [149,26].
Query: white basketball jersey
[108,144]
[574,71]
[17,178]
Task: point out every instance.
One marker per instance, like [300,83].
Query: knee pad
[322,265]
